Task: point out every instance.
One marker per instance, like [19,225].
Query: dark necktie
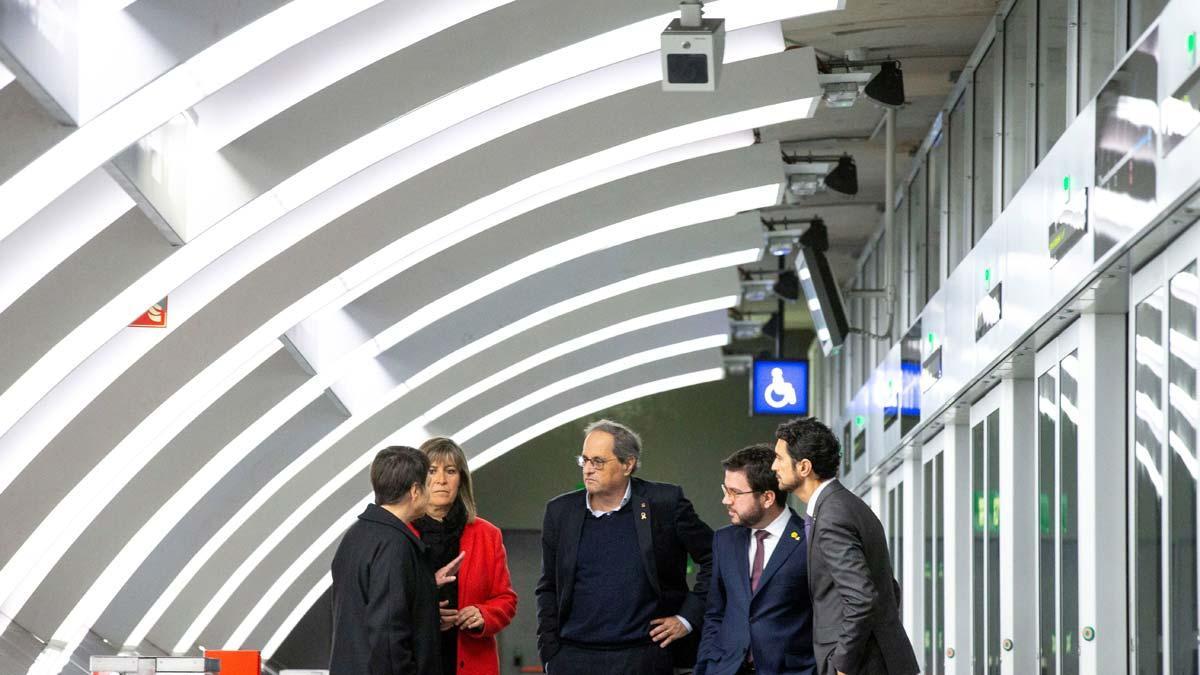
[808,523]
[759,554]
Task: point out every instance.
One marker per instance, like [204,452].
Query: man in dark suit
[613,593]
[758,617]
[856,614]
[385,608]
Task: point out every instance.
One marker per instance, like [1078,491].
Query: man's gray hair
[626,443]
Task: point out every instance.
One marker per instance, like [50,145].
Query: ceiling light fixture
[844,176]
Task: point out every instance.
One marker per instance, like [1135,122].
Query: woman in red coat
[481,602]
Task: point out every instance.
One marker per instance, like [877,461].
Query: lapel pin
[795,535]
[643,505]
[643,515]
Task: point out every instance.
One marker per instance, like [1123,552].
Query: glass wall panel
[986,78]
[918,222]
[928,570]
[1019,39]
[1047,606]
[994,649]
[1182,422]
[1052,103]
[1068,516]
[1146,575]
[978,531]
[939,584]
[1142,13]
[1097,46]
[959,195]
[933,239]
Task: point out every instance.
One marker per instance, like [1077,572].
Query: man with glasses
[759,618]
[613,596]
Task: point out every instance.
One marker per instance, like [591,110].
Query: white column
[912,578]
[1018,533]
[1102,507]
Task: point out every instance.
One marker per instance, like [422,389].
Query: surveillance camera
[692,51]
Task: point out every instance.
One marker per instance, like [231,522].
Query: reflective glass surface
[978,553]
[933,237]
[1068,517]
[1146,576]
[1097,46]
[1182,422]
[918,222]
[958,239]
[1047,403]
[993,543]
[1052,100]
[1019,39]
[986,77]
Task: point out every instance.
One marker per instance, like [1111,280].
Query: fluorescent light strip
[493,338]
[294,617]
[44,179]
[566,384]
[272,595]
[639,391]
[293,572]
[38,554]
[217,600]
[150,535]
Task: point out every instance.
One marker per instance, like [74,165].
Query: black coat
[856,608]
[668,532]
[385,612]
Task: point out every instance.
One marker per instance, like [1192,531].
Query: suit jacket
[775,620]
[856,615]
[668,533]
[385,607]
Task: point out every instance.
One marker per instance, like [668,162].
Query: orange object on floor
[237,663]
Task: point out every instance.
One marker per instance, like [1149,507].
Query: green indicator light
[859,420]
[1067,183]
[931,338]
[1192,43]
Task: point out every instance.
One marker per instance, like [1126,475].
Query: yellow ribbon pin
[795,535]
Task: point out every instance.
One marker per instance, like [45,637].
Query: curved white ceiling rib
[680,350]
[738,233]
[655,378]
[41,552]
[52,365]
[63,165]
[640,292]
[627,111]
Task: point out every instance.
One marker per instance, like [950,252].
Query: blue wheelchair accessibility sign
[780,388]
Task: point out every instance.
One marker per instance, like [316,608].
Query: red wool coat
[483,581]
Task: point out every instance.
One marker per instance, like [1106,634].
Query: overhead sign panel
[779,388]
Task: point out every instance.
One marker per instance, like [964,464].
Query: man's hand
[667,630]
[449,616]
[470,618]
[448,573]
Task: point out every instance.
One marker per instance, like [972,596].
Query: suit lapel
[787,545]
[572,529]
[742,549]
[643,519]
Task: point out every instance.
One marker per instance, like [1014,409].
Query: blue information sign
[779,388]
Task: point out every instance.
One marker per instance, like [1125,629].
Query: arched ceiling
[371,221]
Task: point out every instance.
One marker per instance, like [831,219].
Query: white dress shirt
[811,508]
[775,532]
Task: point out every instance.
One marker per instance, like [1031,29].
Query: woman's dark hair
[395,470]
[442,449]
[755,461]
[807,438]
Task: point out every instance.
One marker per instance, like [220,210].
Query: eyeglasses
[596,462]
[734,494]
